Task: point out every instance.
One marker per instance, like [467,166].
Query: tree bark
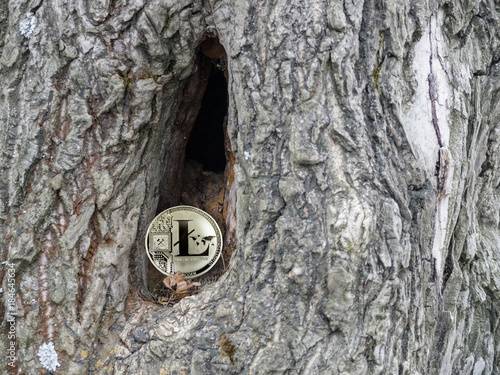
[366,187]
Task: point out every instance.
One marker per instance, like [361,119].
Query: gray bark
[367,179]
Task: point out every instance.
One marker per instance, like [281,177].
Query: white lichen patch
[427,122]
[442,114]
[442,86]
[48,356]
[418,120]
[27,25]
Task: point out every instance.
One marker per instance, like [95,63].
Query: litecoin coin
[184,239]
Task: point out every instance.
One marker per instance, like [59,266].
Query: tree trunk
[364,210]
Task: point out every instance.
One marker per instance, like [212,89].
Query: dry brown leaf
[179,286]
[164,300]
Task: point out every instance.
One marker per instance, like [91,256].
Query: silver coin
[184,239]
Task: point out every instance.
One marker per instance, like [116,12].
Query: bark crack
[433,91]
[443,162]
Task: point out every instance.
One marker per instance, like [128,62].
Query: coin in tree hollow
[184,239]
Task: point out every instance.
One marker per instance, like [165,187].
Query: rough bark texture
[367,185]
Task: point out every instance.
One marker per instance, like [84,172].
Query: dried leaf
[164,300]
[179,286]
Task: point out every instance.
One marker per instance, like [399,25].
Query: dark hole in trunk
[199,161]
[206,142]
